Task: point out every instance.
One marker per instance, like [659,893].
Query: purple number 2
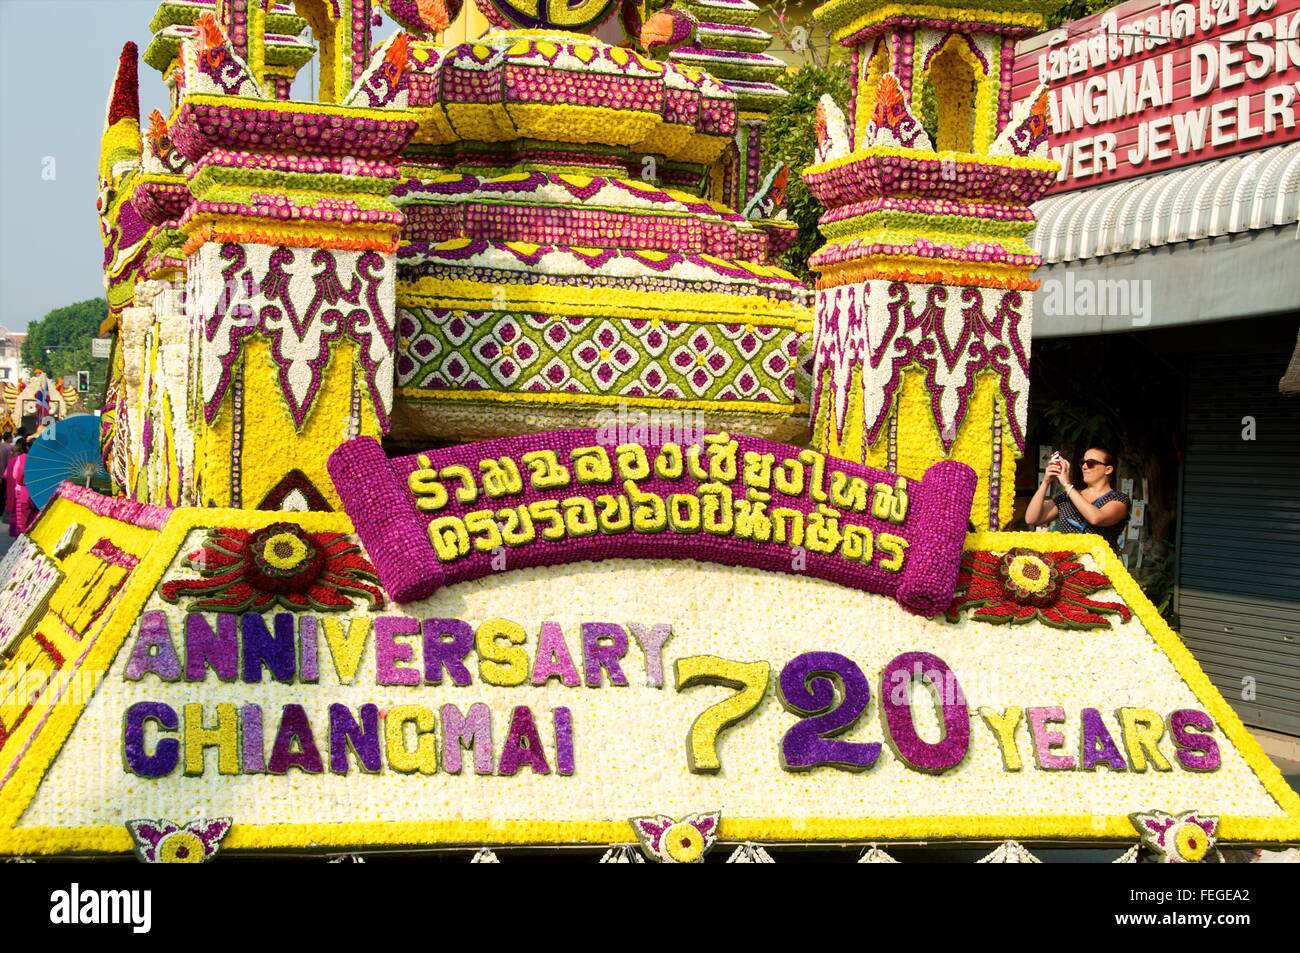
[807,687]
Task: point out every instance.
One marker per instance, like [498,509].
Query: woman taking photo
[1096,507]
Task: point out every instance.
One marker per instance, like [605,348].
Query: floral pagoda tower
[924,291]
[504,236]
[564,251]
[729,46]
[260,315]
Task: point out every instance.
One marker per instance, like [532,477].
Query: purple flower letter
[896,682]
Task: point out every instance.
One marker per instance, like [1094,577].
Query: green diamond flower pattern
[449,349]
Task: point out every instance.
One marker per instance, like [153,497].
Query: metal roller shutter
[1239,563]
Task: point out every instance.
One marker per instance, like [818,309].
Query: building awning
[1210,242]
[1251,191]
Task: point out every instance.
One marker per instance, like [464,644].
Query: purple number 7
[808,687]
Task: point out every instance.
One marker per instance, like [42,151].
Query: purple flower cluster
[925,177]
[703,230]
[161,202]
[307,164]
[286,211]
[538,84]
[982,252]
[682,106]
[718,115]
[115,507]
[915,206]
[583,226]
[203,126]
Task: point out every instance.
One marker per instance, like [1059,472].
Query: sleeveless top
[1069,520]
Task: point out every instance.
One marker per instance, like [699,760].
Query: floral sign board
[465,512]
[254,666]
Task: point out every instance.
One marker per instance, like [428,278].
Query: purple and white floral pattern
[381,85]
[1027,129]
[211,66]
[879,328]
[166,842]
[605,356]
[505,351]
[701,361]
[303,300]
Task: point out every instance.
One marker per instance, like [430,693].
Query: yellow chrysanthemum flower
[683,843]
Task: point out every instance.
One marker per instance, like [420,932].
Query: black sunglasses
[1089,464]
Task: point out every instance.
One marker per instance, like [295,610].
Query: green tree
[792,136]
[1077,10]
[59,344]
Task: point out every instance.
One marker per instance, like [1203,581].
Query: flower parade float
[38,396]
[480,480]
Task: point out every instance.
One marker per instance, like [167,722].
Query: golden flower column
[924,293]
[172,470]
[340,28]
[134,326]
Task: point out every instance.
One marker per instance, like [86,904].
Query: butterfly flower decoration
[671,841]
[1185,838]
[164,842]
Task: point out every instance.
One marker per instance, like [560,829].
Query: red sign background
[1151,85]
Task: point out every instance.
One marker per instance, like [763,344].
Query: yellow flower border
[687,307]
[566,399]
[901,152]
[22,787]
[120,143]
[832,13]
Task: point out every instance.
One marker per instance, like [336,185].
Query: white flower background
[630,742]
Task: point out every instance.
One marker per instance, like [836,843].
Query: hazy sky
[57,59]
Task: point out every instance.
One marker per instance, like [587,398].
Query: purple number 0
[807,688]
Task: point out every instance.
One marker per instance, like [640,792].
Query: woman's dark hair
[1111,461]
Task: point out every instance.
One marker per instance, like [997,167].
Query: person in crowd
[19,501]
[1095,507]
[6,451]
[19,447]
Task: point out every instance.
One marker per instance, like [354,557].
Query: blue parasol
[66,450]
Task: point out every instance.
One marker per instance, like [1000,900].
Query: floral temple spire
[121,139]
[924,306]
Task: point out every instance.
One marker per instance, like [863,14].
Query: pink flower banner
[453,514]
